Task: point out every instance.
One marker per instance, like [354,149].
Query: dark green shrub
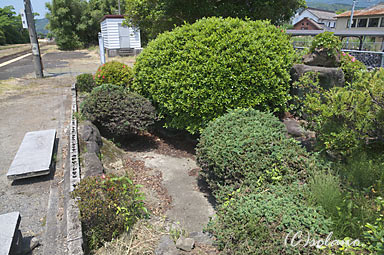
[246,146]
[109,205]
[114,73]
[117,111]
[348,118]
[258,222]
[327,41]
[352,68]
[197,72]
[85,82]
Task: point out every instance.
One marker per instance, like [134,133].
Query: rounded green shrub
[327,41]
[109,205]
[351,118]
[265,221]
[197,72]
[250,147]
[119,112]
[351,67]
[114,73]
[85,82]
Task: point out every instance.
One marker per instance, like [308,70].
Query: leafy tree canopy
[11,30]
[156,16]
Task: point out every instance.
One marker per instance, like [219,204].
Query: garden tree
[75,23]
[11,30]
[156,16]
[64,17]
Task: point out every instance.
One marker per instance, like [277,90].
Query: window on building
[353,23]
[382,22]
[373,22]
[362,23]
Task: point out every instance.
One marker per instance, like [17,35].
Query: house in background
[307,24]
[119,39]
[326,19]
[367,21]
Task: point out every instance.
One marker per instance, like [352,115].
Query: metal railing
[371,59]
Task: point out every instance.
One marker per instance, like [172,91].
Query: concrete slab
[9,224]
[34,156]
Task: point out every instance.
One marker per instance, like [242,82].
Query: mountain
[40,25]
[335,5]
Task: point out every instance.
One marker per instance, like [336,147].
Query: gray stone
[328,77]
[93,147]
[185,244]
[201,238]
[92,165]
[89,133]
[294,128]
[321,57]
[166,246]
[34,156]
[9,225]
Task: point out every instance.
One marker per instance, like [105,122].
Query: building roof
[373,10]
[314,23]
[112,17]
[322,14]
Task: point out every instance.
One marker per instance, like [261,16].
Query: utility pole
[351,19]
[119,8]
[33,38]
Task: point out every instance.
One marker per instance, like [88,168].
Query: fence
[371,59]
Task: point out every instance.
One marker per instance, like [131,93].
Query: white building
[119,39]
[322,17]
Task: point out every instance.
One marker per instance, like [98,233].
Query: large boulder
[328,76]
[91,166]
[321,57]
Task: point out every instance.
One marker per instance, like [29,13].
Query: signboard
[23,18]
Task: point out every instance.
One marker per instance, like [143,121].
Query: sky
[37,6]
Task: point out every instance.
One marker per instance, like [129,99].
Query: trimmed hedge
[85,82]
[250,147]
[197,72]
[258,222]
[114,73]
[117,111]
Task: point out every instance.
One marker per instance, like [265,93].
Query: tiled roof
[322,14]
[314,23]
[374,10]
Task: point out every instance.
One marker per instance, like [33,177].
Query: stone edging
[74,231]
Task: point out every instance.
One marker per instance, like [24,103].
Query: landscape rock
[93,147]
[320,57]
[166,246]
[92,165]
[89,133]
[185,244]
[201,238]
[328,77]
[294,128]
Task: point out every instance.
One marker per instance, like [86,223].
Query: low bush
[85,82]
[349,118]
[259,222]
[118,112]
[246,146]
[327,41]
[109,205]
[197,72]
[114,73]
[352,68]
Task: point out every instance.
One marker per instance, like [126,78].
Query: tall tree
[75,23]
[64,17]
[156,16]
[11,29]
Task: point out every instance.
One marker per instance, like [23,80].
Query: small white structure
[119,39]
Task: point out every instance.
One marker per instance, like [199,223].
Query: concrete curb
[74,231]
